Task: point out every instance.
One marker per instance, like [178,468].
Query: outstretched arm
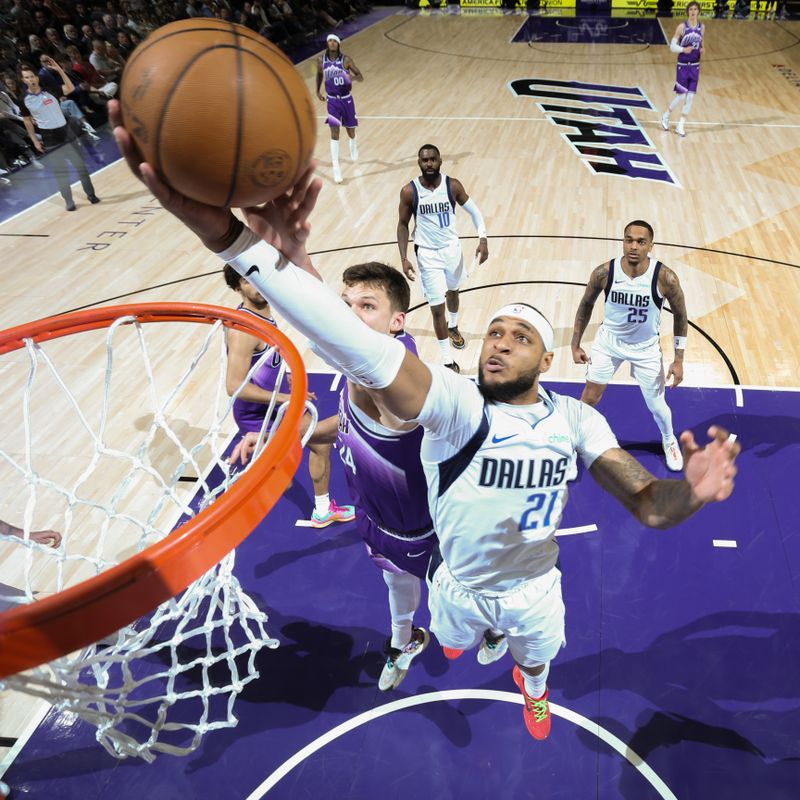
[597,282]
[670,287]
[52,538]
[271,255]
[469,205]
[709,474]
[404,218]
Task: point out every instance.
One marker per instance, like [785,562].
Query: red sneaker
[537,712]
[451,653]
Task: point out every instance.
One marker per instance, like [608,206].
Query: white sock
[536,687]
[452,319]
[404,596]
[661,414]
[687,106]
[353,147]
[335,151]
[322,503]
[444,349]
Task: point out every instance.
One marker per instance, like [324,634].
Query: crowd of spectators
[91,41]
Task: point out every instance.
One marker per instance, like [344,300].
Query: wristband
[680,342]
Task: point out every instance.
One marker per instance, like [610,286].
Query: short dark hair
[391,280]
[428,147]
[692,3]
[640,223]
[232,277]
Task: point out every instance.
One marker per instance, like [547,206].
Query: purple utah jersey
[338,84]
[687,74]
[388,486]
[249,415]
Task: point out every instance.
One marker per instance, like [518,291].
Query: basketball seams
[239,116]
[300,161]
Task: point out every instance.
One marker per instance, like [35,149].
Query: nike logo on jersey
[252,269]
[498,439]
[415,555]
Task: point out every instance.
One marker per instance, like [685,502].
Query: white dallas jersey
[434,214]
[497,477]
[633,305]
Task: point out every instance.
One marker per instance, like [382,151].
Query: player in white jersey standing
[497,454]
[431,199]
[635,288]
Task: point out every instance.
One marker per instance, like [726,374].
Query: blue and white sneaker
[492,649]
[398,661]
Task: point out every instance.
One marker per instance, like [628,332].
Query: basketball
[219,111]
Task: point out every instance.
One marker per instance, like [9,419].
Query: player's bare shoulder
[668,282]
[599,276]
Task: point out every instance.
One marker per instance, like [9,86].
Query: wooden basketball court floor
[724,203]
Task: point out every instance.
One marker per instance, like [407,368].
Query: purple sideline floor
[686,652]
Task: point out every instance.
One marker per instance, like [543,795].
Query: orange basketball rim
[46,629]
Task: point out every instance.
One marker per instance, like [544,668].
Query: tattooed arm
[670,288]
[709,477]
[597,282]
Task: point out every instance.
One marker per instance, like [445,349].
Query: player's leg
[533,620]
[406,641]
[648,371]
[334,122]
[457,619]
[687,103]
[680,93]
[403,563]
[434,288]
[454,277]
[604,361]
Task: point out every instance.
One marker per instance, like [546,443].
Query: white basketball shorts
[647,365]
[530,615]
[440,271]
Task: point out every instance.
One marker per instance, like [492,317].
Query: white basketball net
[102,453]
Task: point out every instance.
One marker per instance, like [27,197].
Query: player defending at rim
[338,72]
[254,393]
[431,199]
[635,288]
[497,455]
[690,35]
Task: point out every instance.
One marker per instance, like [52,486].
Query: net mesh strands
[118,437]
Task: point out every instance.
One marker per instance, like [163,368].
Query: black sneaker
[93,198]
[71,207]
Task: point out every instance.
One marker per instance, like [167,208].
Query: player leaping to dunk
[497,454]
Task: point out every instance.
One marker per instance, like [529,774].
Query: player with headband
[498,454]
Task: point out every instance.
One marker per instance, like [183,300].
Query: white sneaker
[672,450]
[665,120]
[4,181]
[353,150]
[491,650]
[337,173]
[398,661]
[679,128]
[35,163]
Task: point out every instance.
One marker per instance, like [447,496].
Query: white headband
[532,317]
[334,37]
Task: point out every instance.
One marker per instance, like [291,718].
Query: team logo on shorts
[270,168]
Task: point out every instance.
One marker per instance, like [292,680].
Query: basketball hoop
[45,644]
